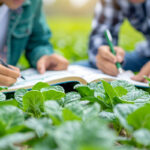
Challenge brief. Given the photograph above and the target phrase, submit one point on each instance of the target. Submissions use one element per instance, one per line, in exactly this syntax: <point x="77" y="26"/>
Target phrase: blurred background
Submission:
<point x="70" y="23"/>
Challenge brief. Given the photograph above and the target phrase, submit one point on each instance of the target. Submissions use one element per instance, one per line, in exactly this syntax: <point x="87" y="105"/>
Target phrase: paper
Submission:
<point x="89" y="74"/>
<point x="32" y="77"/>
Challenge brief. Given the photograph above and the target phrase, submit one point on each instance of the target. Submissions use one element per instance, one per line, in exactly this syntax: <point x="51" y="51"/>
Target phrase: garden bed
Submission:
<point x="98" y="116"/>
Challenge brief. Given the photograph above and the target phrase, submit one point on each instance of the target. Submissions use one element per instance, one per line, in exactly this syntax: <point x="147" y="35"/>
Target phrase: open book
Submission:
<point x="81" y="74"/>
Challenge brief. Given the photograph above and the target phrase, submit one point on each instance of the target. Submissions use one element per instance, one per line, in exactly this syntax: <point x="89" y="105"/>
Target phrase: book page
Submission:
<point x="88" y="74"/>
<point x="32" y="77"/>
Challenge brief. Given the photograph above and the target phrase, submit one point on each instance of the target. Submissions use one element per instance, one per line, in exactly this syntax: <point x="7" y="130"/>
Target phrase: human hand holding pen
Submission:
<point x="8" y="76"/>
<point x="106" y="61"/>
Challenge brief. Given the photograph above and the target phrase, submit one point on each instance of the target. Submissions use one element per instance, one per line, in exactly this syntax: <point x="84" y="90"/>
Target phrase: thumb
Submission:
<point x="41" y="67"/>
<point x="120" y="54"/>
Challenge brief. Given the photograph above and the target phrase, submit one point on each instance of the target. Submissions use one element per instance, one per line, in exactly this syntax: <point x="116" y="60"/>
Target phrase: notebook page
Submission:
<point x="32" y="77"/>
<point x="90" y="74"/>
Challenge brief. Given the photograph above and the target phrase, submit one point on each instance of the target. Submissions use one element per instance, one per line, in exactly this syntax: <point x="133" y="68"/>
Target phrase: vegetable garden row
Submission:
<point x="98" y="116"/>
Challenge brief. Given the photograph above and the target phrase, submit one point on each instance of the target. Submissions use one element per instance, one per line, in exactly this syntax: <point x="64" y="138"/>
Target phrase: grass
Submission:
<point x="70" y="37"/>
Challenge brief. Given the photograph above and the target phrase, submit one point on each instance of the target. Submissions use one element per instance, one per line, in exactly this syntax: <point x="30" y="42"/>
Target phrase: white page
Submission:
<point x="32" y="77"/>
<point x="89" y="74"/>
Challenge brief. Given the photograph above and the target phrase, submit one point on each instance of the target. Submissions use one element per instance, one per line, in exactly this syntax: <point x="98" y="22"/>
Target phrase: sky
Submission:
<point x="76" y="3"/>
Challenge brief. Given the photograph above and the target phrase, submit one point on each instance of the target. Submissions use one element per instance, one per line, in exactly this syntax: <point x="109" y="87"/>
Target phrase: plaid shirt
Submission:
<point x="110" y="14"/>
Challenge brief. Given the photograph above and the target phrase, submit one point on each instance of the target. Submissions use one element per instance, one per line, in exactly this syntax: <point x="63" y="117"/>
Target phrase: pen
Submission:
<point x="109" y="40"/>
<point x="7" y="66"/>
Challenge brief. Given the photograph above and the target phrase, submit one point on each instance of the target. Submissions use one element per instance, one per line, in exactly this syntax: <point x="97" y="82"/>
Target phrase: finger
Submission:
<point x="120" y="53"/>
<point x="145" y="81"/>
<point x="8" y="72"/>
<point x="58" y="63"/>
<point x="106" y="54"/>
<point x="6" y="81"/>
<point x="138" y="77"/>
<point x="41" y="65"/>
<point x="15" y="68"/>
<point x="57" y="68"/>
<point x="144" y="72"/>
<point x="108" y="68"/>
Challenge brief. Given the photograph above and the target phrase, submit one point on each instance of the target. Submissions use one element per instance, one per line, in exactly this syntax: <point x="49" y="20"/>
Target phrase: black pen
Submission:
<point x="7" y="66"/>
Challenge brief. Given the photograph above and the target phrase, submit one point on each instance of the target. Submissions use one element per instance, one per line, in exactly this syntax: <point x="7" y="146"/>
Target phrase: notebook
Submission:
<point x="74" y="73"/>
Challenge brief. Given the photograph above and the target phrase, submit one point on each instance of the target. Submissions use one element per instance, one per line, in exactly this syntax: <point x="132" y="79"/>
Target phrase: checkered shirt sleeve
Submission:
<point x="107" y="16"/>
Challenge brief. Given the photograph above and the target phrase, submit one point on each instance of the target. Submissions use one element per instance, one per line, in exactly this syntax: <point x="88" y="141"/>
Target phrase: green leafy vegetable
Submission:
<point x="11" y="119"/>
<point x="33" y="103"/>
<point x="53" y="93"/>
<point x="140" y="118"/>
<point x="98" y="116"/>
<point x="142" y="136"/>
<point x="40" y="85"/>
<point x="2" y="97"/>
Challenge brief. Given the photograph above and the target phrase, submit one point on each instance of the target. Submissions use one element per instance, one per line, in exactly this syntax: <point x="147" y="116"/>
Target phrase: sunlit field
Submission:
<point x="70" y="37"/>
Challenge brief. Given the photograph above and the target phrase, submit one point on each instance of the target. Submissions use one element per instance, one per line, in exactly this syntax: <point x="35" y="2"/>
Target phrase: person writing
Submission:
<point x="23" y="28"/>
<point x="110" y="14"/>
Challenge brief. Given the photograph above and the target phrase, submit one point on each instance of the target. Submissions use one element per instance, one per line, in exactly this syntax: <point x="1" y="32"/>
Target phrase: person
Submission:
<point x="23" y="28"/>
<point x="110" y="14"/>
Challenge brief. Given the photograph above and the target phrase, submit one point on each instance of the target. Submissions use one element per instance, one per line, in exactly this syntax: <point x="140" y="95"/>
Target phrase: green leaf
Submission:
<point x="11" y="118"/>
<point x="33" y="103"/>
<point x="2" y="128"/>
<point x="95" y="85"/>
<point x="40" y="85"/>
<point x="87" y="147"/>
<point x="11" y="102"/>
<point x="142" y="136"/>
<point x="108" y="116"/>
<point x="40" y="126"/>
<point x="117" y="100"/>
<point x="147" y="78"/>
<point x="8" y="141"/>
<point x="19" y="96"/>
<point x="140" y="118"/>
<point x="97" y="100"/>
<point x="53" y="93"/>
<point x="91" y="111"/>
<point x="2" y="96"/>
<point x="71" y="97"/>
<point x="53" y="109"/>
<point x="84" y="90"/>
<point x="57" y="88"/>
<point x="120" y="91"/>
<point x="92" y="133"/>
<point x="68" y="115"/>
<point x="76" y="107"/>
<point x="122" y="111"/>
<point x="110" y="91"/>
<point x="137" y="96"/>
<point x="121" y="83"/>
<point x="3" y="88"/>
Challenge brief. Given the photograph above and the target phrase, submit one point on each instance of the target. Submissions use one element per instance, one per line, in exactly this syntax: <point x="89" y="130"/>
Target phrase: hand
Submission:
<point x="105" y="60"/>
<point x="53" y="62"/>
<point x="145" y="71"/>
<point x="8" y="76"/>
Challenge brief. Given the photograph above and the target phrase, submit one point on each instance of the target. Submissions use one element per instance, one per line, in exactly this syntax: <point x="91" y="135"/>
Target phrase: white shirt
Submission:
<point x="4" y="19"/>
